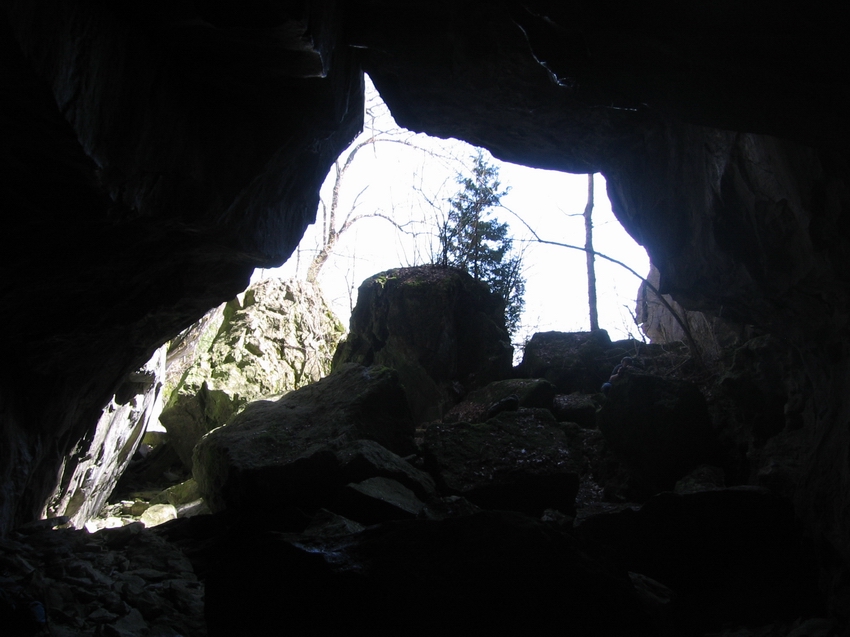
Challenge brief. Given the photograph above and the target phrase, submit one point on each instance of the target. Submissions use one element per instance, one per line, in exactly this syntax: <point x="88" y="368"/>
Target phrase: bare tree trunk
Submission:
<point x="588" y="246"/>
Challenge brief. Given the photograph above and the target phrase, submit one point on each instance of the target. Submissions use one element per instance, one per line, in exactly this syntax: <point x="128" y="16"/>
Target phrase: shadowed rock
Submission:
<point x="727" y="554"/>
<point x="502" y="395"/>
<point x="660" y="427"/>
<point x="493" y="571"/>
<point x="517" y="460"/>
<point x="435" y="326"/>
<point x="296" y="451"/>
<point x="572" y="361"/>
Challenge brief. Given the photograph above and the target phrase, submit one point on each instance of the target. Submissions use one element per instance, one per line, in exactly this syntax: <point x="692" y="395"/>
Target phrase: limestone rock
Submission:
<point x="327" y="524"/>
<point x="166" y="152"/>
<point x="435" y="326"/>
<point x="178" y="494"/>
<point x="531" y="393"/>
<point x="293" y="451"/>
<point x="703" y="478"/>
<point x="660" y="427"/>
<point x="576" y="407"/>
<point x="157" y="230"/>
<point x="90" y="474"/>
<point x="125" y="581"/>
<point x="278" y="336"/>
<point x="572" y="361"/>
<point x="377" y="500"/>
<point x="154" y="156"/>
<point x="711" y="334"/>
<point x="158" y="514"/>
<point x="518" y="460"/>
<point x="757" y="383"/>
<point x="187" y="348"/>
<point x="366" y="458"/>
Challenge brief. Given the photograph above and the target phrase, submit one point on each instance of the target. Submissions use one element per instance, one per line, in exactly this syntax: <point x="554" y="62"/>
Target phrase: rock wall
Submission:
<point x="711" y="334"/>
<point x="155" y="156"/>
<point x="90" y="473"/>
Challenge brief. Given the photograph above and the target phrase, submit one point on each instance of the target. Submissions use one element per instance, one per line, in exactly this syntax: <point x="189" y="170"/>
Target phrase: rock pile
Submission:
<point x="519" y="505"/>
<point x="125" y="582"/>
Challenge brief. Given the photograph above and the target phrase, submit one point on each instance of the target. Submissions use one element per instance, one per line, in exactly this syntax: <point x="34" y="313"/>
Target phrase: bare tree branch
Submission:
<point x="695" y="350"/>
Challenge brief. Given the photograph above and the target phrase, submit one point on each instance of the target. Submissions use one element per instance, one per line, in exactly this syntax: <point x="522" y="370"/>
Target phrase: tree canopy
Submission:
<point x="471" y="239"/>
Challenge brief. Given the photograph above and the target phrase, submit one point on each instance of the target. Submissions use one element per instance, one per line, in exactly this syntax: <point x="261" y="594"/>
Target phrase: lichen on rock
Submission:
<point x="276" y="337"/>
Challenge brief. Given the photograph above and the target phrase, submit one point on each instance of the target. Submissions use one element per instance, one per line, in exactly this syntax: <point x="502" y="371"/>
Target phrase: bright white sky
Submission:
<point x="399" y="179"/>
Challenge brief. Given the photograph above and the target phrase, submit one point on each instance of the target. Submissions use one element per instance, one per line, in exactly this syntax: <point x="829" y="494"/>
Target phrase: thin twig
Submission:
<point x="691" y="342"/>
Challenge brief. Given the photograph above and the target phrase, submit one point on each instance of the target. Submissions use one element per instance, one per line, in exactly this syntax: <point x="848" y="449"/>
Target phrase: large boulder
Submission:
<point x="301" y="449"/>
<point x="576" y="407"/>
<point x="278" y="336"/>
<point x="518" y="460"/>
<point x="660" y="427"/>
<point x="572" y="361"/>
<point x="435" y="326"/>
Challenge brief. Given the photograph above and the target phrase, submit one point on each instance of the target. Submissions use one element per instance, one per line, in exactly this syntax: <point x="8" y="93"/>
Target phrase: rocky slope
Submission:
<point x="531" y="503"/>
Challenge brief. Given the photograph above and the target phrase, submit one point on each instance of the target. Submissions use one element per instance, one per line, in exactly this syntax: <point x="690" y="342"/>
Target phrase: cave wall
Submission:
<point x="157" y="154"/>
<point x="153" y="157"/>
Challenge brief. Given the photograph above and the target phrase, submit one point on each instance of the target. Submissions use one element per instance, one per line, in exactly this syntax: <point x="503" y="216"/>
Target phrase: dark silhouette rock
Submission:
<point x="757" y="382"/>
<point x="435" y="326"/>
<point x="496" y="572"/>
<point x="126" y="581"/>
<point x="297" y="451"/>
<point x="502" y="395"/>
<point x="519" y="460"/>
<point x="572" y="361"/>
<point x="576" y="407"/>
<point x="660" y="427"/>
<point x="728" y="555"/>
<point x="703" y="478"/>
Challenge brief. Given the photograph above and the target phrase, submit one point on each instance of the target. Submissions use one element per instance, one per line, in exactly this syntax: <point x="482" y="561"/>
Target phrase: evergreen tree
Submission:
<point x="472" y="241"/>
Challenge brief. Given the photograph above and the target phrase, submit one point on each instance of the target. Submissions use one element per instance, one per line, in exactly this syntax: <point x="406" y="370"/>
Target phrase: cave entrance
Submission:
<point x="382" y="203"/>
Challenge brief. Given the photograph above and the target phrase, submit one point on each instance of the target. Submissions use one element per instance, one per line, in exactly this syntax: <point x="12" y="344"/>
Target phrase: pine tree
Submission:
<point x="472" y="241"/>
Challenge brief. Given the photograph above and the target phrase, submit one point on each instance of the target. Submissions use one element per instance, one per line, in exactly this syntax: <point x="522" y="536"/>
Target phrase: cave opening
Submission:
<point x="396" y="188"/>
<point x="158" y="156"/>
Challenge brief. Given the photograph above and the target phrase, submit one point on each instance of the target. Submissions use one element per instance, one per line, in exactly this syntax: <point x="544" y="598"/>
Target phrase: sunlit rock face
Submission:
<point x="277" y="336"/>
<point x="154" y="156"/>
<point x="90" y="473"/>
